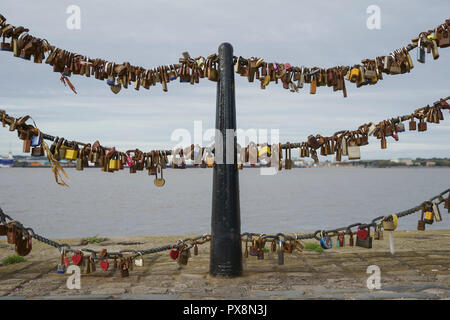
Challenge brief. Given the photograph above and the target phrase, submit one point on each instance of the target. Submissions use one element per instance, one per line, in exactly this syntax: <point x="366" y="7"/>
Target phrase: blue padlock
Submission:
<point x="400" y="127"/>
<point x="36" y="141"/>
<point x="325" y="241"/>
<point x="420" y="52"/>
<point x="111" y="81"/>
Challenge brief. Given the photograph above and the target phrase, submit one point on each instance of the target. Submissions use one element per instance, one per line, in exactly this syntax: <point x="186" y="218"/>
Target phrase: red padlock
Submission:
<point x="362" y="233"/>
<point x="130" y="161"/>
<point x="104" y="264"/>
<point x="66" y="261"/>
<point x="76" y="258"/>
<point x="395" y="135"/>
<point x="174" y="253"/>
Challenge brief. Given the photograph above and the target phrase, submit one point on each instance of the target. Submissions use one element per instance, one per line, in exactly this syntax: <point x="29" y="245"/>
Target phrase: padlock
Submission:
<point x="246" y="249"/>
<point x="447" y="203"/>
<point x="80" y="163"/>
<point x="437" y="213"/>
<point x="12" y="232"/>
<point x="390" y="224"/>
<point x="412" y="124"/>
<point x="353" y="150"/>
<point x="280" y="251"/>
<point x="61" y="269"/>
<point x="159" y="181"/>
<point x="363" y="239"/>
<point x="71" y="154"/>
<point x="114" y="162"/>
<point x="351" y="242"/>
<point x="104" y="264"/>
<point x="354" y="74"/>
<point x="341" y="239"/>
<point x="183" y="257"/>
<point x="434" y="49"/>
<point x="92" y="266"/>
<point x="123" y="269"/>
<point x="36" y="141"/>
<point x="37" y="152"/>
<point x="26" y="146"/>
<point x="288" y="159"/>
<point x="139" y="262"/>
<point x="77" y="258"/>
<point x="325" y="241"/>
<point x="254" y="248"/>
<point x="362" y="233"/>
<point x="378" y="233"/>
<point x="260" y="254"/>
<point x="421" y="222"/>
<point x="195" y="250"/>
<point x="174" y="252"/>
<point x="429" y="215"/>
<point x="400" y="126"/>
<point x="420" y="51"/>
<point x="422" y="126"/>
<point x="313" y="143"/>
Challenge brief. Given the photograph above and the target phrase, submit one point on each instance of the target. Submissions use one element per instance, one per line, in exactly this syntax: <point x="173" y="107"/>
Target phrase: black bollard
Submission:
<point x="226" y="249"/>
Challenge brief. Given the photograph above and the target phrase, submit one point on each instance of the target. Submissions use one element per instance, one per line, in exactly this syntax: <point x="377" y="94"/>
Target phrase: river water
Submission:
<point x="299" y="200"/>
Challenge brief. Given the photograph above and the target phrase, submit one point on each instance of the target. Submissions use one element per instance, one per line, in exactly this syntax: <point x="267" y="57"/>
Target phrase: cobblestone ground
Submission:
<point x="419" y="269"/>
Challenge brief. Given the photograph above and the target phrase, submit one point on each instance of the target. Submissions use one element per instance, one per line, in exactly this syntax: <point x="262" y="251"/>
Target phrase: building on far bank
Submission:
<point x="406" y="162"/>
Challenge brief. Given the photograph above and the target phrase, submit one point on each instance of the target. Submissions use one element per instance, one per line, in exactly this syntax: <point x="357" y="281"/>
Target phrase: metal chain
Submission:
<point x="190" y="242"/>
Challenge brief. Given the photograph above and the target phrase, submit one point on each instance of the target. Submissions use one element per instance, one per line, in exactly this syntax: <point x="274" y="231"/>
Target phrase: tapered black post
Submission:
<point x="226" y="249"/>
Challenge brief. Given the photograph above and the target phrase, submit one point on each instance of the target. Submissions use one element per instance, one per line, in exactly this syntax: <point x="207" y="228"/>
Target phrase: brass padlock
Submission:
<point x="437" y="213"/>
<point x="123" y="268"/>
<point x="80" y="163"/>
<point x="159" y="181"/>
<point x="184" y="256"/>
<point x="390" y="224"/>
<point x="421" y="222"/>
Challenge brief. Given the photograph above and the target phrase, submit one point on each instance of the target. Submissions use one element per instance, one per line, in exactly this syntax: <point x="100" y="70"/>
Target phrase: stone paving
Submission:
<point x="419" y="269"/>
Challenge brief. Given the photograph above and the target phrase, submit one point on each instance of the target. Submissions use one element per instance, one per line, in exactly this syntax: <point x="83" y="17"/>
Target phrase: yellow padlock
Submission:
<point x="71" y="154"/>
<point x="354" y="74"/>
<point x="113" y="163"/>
<point x="264" y="150"/>
<point x="429" y="216"/>
<point x="210" y="161"/>
<point x="391" y="224"/>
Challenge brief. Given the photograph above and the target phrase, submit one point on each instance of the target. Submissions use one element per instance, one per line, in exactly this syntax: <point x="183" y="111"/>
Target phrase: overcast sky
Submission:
<point x="153" y="33"/>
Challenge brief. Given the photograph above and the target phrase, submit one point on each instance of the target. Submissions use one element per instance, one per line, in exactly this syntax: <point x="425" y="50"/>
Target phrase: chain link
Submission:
<point x="190" y="242"/>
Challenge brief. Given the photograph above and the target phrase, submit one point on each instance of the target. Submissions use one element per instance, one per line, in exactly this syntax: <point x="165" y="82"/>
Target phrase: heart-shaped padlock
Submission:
<point x="77" y="258"/>
<point x="130" y="161"/>
<point x="362" y="233"/>
<point x="104" y="264"/>
<point x="174" y="253"/>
